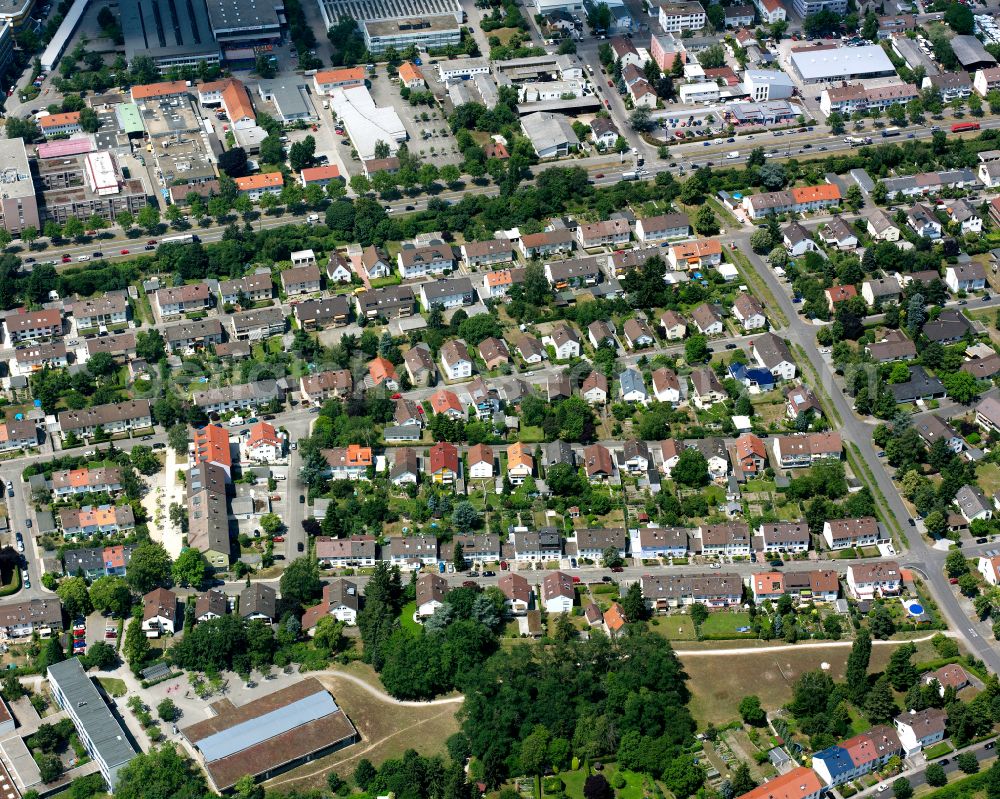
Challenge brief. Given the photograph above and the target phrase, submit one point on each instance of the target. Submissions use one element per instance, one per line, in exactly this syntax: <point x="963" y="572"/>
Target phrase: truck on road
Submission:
<point x="733" y="154"/>
<point x="856" y="140"/>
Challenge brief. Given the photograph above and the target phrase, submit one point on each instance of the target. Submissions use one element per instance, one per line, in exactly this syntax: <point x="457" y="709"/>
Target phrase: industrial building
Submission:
<point x="18" y="205"/>
<point x="366" y="123"/>
<point x="971" y="54"/>
<point x="100" y="732"/>
<point x="289" y="97"/>
<point x="84" y="185"/>
<point x="767" y="84"/>
<point x="424" y="34"/>
<point x="806" y="7"/>
<point x="836" y="64"/>
<point x="245" y="23"/>
<point x="173" y="35"/>
<point x="375" y="10"/>
<point x="270" y="735"/>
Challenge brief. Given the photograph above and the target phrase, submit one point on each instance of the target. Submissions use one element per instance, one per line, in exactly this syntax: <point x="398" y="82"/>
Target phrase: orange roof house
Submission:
<point x="151" y="91"/>
<point x="315" y="174"/>
<point x="262" y="433"/>
<point x="58" y="120"/>
<point x="444" y="461"/>
<point x="799" y="783"/>
<point x="614" y="618"/>
<point x="211" y="445"/>
<point x="268" y="180"/>
<point x="444" y="401"/>
<point x="824" y="192"/>
<point x="836" y="294"/>
<point x="410" y="74"/>
<point x="237" y="101"/>
<point x="341" y="77"/>
<point x="382" y="371"/>
<point x="499" y="277"/>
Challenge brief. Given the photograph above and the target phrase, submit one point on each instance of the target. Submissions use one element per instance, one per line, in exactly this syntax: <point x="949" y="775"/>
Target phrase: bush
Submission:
<point x="618" y="781"/>
<point x="553" y="784"/>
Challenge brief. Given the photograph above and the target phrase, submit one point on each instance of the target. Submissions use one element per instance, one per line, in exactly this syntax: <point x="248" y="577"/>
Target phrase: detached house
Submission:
<point x="598" y="463"/>
<point x="520" y="463"/>
<point x="480" y="462"/>
<point x="772" y="353"/>
<point x="865" y="580"/>
<point x="706" y="389"/>
<point x="666" y="385"/>
<point x="707" y="320"/>
<point x="456" y="363"/>
<point x="517" y="593"/>
<point x="564" y="340"/>
<point x="965" y="277"/>
<point x="443" y="466"/>
<point x="433" y="259"/>
<point x="674" y="326"/>
<point x="749" y="312"/>
<point x="558" y="593"/>
<point x="595" y="388"/>
<point x="638" y="335"/>
<point x="922" y="219"/>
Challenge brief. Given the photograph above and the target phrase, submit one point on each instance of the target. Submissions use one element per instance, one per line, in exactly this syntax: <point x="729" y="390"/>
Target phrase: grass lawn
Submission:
<point x="717" y="688"/>
<point x="725" y="624"/>
<point x="530" y="435"/>
<point x="938" y="750"/>
<point x="858" y="723"/>
<point x="633" y="782"/>
<point x="988" y="477"/>
<point x="113" y="686"/>
<point x="674" y="628"/>
<point x="406" y="617"/>
<point x="387" y="730"/>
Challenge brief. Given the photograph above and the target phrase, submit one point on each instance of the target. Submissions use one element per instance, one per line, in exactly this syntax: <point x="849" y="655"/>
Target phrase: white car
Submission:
<point x="83" y="257"/>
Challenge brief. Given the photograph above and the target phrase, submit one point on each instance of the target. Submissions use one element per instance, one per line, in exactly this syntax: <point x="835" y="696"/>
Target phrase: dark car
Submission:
<point x="149" y="247"/>
<point x="911" y="523"/>
<point x="300" y="546"/>
<point x="990" y="745"/>
<point x="469" y="584"/>
<point x="606" y="578"/>
<point x="98" y="254"/>
<point x="944" y="761"/>
<point x="489" y="574"/>
<point x="978" y="540"/>
<point x="302" y="499"/>
<point x="730" y="346"/>
<point x="774" y="564"/>
<point x="617" y="569"/>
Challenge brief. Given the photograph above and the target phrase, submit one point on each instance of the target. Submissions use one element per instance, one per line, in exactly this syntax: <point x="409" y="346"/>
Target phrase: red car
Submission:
<point x="469" y="584"/>
<point x="279" y="539"/>
<point x="124" y="252"/>
<point x="151" y="241"/>
<point x="66" y="259"/>
<point x="397" y="395"/>
<point x="576" y="579"/>
<point x="599" y="175"/>
<point x="617" y="569"/>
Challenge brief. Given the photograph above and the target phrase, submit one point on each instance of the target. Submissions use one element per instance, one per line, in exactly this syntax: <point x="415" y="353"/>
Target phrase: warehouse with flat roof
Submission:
<point x="270" y="735"/>
<point x="830" y="65"/>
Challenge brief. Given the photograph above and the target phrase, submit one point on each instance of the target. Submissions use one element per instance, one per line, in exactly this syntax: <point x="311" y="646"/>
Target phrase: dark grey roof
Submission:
<point x="970" y="51"/>
<point x="260" y="599"/>
<point x="85" y="703"/>
<point x="165" y="29"/>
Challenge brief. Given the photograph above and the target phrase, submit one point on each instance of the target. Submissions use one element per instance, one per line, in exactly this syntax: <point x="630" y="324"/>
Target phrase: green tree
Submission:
<point x="167" y="710"/>
<point x="900" y="671"/>
<point x="836" y="122"/>
<point x="190" y="568"/>
<point x="149" y="218"/>
<point x="271" y="523"/>
<point x="135" y="647"/>
<point x="458" y="557"/>
<point x="968" y="762"/>
<point x="696" y="349"/>
<point x="856" y="675"/>
<point x="691" y="469"/>
<point x="706" y="223"/>
<point x="879" y="706"/>
<point x="162" y="773"/>
<point x="935" y="775"/>
<point x="751" y="712"/>
<point x="300" y="583"/>
<point x="75" y="599"/>
<point x="148" y="567"/>
<point x="633" y="605"/>
<point x="901" y="788"/>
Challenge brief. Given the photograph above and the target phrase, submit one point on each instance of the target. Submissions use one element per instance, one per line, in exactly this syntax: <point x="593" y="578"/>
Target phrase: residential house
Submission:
<point x="431" y="259"/>
<point x="210" y="605"/>
<point x="73" y="482"/>
<point x="595" y="388"/>
<point x="932" y="428"/>
<point x="263" y="444"/>
<point x="419" y="364"/>
<point x="113" y="418"/>
<point x="662" y="227"/>
<point x="772" y="353"/>
<point x="805" y="449"/>
<point x="666" y="385"/>
<point x="706" y="388"/>
<point x="373" y="263"/>
<point x="159" y="613"/>
<point x="517" y="593"/>
<point x="918" y="729"/>
<point x="922" y="219"/>
<point x="799" y="783"/>
<point x="696" y="254"/>
<point x="635" y="457"/>
<point x="837" y="233"/>
<point x="600" y="333"/>
<point x="965" y="277"/>
<point x="707" y="320"/>
<point x="837" y="294"/>
<point x="797" y="240"/>
<point x="498" y="282"/>
<point x="880" y="226"/>
<point x="447" y="294"/>
<point x="607" y="233"/>
<point x="972" y="503"/>
<point x="334" y="553"/>
<point x="494" y="353"/>
<point x="259" y="601"/>
<point x="844" y="533"/>
<point x="784" y="536"/>
<point x="666" y="590"/>
<point x="316" y="314"/>
<point x="966" y="217"/>
<point x="341" y="600"/>
<point x="319" y="387"/>
<point x="800" y="399"/>
<point x="882" y="578"/>
<point x="633" y="387"/>
<point x="558" y="593"/>
<point x="391" y="302"/>
<point x="597" y="462"/>
<point x="382" y="374"/>
<point x="431" y="590"/>
<point x="547" y="243"/>
<point x="488" y="253"/>
<point x="564" y="339"/>
<point x="637" y="334"/>
<point x="573" y="273"/>
<point x="348" y="463"/>
<point x="456" y="363"/>
<point x="729" y="539"/>
<point x="479" y="549"/>
<point x="412" y="550"/>
<point x="480" y="462"/>
<point x="520" y="464"/>
<point x="447" y="402"/>
<point x="530" y="349"/>
<point x="749" y="312"/>
<point x="443" y="467"/>
<point x="750" y="454"/>
<point x="894" y="346"/>
<point x="673" y="324"/>
<point x="881" y="291"/>
<point x="649" y="543"/>
<point x="405" y="467"/>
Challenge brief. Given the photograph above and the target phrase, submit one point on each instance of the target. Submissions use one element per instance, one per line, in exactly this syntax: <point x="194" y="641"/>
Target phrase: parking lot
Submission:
<point x="430" y="138"/>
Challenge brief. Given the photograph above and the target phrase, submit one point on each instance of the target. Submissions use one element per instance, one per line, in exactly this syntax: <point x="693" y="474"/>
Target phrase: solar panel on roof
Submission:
<point x="270" y="725"/>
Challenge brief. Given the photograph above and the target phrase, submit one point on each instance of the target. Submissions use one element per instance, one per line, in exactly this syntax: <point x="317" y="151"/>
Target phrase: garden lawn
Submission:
<point x="633" y="782"/>
<point x="113" y="686"/>
<point x="725" y="624"/>
<point x="406" y="617"/>
<point x="674" y="628"/>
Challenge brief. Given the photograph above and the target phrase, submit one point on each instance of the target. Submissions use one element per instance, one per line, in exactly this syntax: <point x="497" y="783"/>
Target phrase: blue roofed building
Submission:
<point x="756" y="380"/>
<point x="834" y="765"/>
